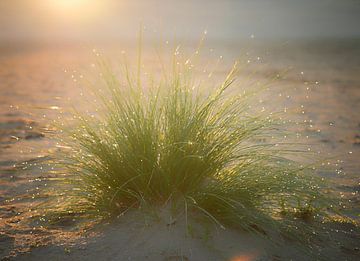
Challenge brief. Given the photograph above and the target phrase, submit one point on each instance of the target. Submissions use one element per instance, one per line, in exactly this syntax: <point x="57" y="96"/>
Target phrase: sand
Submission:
<point x="34" y="84"/>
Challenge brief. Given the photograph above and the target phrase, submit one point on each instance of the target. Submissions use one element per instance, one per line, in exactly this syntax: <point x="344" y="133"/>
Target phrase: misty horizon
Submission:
<point x="108" y="20"/>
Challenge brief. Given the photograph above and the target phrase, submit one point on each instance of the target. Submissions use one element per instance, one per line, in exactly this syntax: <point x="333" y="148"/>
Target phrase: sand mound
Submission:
<point x="138" y="237"/>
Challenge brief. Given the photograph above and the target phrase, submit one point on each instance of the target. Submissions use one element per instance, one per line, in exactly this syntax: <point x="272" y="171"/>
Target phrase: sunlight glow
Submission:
<point x="70" y="4"/>
<point x="75" y="10"/>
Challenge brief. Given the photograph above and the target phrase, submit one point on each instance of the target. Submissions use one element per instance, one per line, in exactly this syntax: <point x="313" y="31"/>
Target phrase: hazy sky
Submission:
<point x="83" y="20"/>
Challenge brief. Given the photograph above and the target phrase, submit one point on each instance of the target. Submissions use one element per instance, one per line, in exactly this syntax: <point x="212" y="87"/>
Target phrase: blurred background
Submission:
<point x="46" y="45"/>
<point x="109" y="20"/>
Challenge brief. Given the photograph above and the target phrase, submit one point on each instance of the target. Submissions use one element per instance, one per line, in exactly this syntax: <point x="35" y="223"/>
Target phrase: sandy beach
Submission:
<point x="36" y="81"/>
<point x="158" y="172"/>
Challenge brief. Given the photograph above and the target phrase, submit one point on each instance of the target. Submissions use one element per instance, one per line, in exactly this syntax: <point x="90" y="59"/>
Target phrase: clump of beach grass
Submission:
<point x="202" y="150"/>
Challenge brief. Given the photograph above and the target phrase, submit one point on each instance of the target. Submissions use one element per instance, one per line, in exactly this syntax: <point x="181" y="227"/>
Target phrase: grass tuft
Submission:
<point x="202" y="151"/>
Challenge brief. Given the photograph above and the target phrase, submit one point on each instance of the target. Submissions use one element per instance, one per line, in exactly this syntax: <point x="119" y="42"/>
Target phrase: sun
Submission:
<point x="70" y="4"/>
<point x="75" y="10"/>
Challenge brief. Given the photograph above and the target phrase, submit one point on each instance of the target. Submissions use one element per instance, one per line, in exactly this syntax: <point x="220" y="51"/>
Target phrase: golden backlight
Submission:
<point x="76" y="10"/>
<point x="70" y="4"/>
